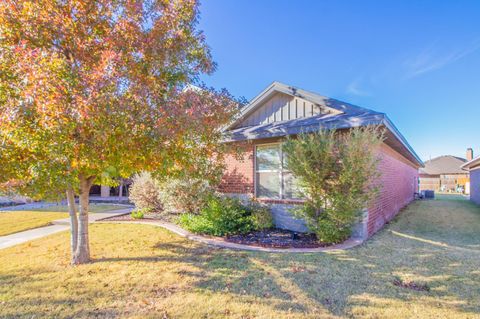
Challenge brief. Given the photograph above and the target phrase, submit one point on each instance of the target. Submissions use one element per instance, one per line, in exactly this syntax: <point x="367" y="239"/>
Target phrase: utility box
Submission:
<point x="428" y="194"/>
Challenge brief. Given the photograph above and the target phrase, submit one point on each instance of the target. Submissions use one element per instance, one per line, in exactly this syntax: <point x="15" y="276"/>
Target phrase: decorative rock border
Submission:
<point x="220" y="242"/>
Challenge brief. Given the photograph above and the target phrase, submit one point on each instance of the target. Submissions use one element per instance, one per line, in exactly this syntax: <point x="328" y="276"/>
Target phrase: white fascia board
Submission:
<point x="468" y="165"/>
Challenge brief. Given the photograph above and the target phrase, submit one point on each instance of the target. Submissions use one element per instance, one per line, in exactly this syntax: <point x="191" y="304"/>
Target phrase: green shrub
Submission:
<point x="184" y="194"/>
<point x="261" y="216"/>
<point x="139" y="213"/>
<point x="225" y="216"/>
<point x="335" y="172"/>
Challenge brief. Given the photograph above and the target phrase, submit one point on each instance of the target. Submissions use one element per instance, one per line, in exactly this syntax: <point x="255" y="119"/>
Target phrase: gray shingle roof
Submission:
<point x="305" y="125"/>
<point x="350" y="116"/>
<point x="446" y="164"/>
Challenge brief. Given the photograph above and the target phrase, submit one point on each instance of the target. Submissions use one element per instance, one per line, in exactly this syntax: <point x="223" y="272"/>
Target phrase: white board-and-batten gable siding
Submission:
<point x="281" y="107"/>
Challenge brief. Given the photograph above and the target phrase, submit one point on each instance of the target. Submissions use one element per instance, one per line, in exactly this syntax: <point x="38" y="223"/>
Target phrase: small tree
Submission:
<point x="335" y="172"/>
<point x="93" y="91"/>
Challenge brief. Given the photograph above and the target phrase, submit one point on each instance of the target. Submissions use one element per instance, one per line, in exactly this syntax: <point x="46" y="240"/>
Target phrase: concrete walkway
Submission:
<point x="58" y="226"/>
<point x="96" y="216"/>
<point x="24" y="236"/>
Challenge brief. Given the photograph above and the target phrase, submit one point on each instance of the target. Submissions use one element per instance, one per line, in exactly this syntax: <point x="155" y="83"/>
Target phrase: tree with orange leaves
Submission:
<point x="95" y="90"/>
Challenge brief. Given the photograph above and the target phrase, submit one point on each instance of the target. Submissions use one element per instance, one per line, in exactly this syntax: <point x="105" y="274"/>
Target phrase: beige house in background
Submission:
<point x="444" y="174"/>
<point x="107" y="192"/>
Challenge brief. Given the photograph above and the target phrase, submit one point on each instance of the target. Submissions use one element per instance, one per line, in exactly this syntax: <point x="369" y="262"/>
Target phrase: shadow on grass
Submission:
<point x="336" y="283"/>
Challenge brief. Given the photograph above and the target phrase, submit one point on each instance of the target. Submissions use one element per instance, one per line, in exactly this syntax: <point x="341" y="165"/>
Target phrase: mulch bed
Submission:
<point x="277" y="238"/>
<point x="270" y="238"/>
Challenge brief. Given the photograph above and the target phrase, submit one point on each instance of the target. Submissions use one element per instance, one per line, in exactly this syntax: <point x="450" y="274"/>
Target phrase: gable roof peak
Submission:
<point x="339" y="115"/>
<point x="331" y="105"/>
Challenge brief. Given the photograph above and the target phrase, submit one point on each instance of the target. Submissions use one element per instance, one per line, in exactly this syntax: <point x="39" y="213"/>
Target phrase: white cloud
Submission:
<point x="433" y="58"/>
<point x="354" y="88"/>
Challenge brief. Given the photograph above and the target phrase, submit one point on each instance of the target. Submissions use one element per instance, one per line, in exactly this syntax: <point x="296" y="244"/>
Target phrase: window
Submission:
<point x="271" y="178"/>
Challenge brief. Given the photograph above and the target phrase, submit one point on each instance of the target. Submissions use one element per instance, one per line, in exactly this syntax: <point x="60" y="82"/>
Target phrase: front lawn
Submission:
<point x="145" y="271"/>
<point x="17" y="221"/>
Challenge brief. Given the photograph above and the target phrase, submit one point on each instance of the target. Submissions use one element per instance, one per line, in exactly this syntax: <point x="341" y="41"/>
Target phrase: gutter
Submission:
<point x="378" y="119"/>
<point x="469" y="165"/>
<point x="388" y="124"/>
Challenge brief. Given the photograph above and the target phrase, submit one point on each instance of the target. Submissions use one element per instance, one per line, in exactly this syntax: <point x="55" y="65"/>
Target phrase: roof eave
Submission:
<point x="388" y="124"/>
<point x="470" y="164"/>
<point x="378" y="119"/>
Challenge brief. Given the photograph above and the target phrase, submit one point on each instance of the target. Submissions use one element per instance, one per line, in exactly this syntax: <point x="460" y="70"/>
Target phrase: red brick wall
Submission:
<point x="239" y="173"/>
<point x="475" y="185"/>
<point x="398" y="180"/>
<point x="398" y="183"/>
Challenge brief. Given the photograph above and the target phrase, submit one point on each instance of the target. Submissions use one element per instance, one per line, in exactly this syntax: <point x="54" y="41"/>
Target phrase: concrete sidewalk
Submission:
<point x="58" y="226"/>
<point x="24" y="236"/>
<point x="96" y="216"/>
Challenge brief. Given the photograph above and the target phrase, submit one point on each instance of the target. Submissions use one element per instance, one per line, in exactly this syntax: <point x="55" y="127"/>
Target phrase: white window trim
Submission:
<point x="281" y="173"/>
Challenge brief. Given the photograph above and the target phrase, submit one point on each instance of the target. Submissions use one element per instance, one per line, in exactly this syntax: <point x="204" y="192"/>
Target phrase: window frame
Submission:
<point x="281" y="173"/>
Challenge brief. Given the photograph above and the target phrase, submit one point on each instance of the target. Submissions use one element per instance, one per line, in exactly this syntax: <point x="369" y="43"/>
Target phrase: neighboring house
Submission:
<point x="111" y="193"/>
<point x="444" y="174"/>
<point x="473" y="167"/>
<point x="282" y="110"/>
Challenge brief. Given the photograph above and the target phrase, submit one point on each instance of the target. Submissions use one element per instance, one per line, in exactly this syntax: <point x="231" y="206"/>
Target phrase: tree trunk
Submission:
<point x="72" y="211"/>
<point x="120" y="190"/>
<point x="82" y="253"/>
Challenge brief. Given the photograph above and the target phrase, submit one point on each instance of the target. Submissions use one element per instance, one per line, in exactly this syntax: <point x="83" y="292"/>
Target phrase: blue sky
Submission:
<point x="417" y="61"/>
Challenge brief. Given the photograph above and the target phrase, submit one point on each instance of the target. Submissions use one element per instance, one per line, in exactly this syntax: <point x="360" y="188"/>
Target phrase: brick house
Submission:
<point x="282" y="110"/>
<point x="473" y="167"/>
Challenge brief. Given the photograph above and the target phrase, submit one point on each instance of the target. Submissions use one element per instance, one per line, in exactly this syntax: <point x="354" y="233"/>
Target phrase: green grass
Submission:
<point x="144" y="271"/>
<point x="450" y="196"/>
<point x="16" y="221"/>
